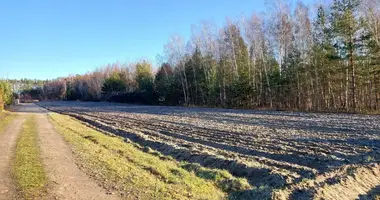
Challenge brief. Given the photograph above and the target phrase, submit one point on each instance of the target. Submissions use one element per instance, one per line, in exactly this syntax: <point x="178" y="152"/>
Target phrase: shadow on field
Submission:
<point x="372" y="194"/>
<point x="325" y="123"/>
<point x="331" y="153"/>
<point x="294" y="158"/>
<point x="262" y="193"/>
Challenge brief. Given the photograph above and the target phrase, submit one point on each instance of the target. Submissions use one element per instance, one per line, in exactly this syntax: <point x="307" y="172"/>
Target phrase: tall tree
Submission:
<point x="164" y="85"/>
<point x="144" y="77"/>
<point x="175" y="52"/>
<point x="345" y="26"/>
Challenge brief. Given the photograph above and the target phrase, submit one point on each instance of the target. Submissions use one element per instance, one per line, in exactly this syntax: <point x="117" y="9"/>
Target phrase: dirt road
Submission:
<point x="66" y="180"/>
<point x="7" y="144"/>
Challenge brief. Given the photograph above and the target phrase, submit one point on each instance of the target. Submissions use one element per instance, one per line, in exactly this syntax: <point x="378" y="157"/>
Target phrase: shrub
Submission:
<point x="5" y="94"/>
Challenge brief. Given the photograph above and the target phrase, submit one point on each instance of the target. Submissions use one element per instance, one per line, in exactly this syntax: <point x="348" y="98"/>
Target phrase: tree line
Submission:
<point x="293" y="57"/>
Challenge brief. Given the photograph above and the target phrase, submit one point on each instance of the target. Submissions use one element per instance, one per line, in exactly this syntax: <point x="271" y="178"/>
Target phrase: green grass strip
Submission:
<point x="27" y="166"/>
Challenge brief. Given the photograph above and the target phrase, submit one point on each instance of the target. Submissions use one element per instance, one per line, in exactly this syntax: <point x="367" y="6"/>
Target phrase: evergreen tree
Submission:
<point x="345" y="27"/>
<point x="164" y="84"/>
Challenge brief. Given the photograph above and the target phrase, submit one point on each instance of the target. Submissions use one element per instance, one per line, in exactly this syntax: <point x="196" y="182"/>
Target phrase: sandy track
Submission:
<point x="7" y="144"/>
<point x="68" y="181"/>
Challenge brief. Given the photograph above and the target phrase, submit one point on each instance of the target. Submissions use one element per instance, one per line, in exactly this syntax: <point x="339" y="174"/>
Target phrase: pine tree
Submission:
<point x="345" y="27"/>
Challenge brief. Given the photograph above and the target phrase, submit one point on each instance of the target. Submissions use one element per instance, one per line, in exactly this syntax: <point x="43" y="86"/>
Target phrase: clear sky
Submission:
<point x="43" y="39"/>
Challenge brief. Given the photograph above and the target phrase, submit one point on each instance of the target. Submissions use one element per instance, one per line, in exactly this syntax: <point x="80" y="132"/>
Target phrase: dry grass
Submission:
<point x="5" y="119"/>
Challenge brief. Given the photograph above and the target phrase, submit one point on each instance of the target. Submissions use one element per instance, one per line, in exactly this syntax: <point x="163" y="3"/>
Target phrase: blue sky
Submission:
<point x="51" y="38"/>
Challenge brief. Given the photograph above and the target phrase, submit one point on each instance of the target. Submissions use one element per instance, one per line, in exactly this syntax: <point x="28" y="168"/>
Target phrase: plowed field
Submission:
<point x="291" y="153"/>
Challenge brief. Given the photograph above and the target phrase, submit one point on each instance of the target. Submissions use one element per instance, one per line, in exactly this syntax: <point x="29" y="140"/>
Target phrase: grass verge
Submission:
<point x="121" y="166"/>
<point x="27" y="166"/>
<point x="5" y="119"/>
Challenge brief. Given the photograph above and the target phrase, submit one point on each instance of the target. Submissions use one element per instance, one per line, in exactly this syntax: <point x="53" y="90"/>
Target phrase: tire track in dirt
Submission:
<point x="7" y="145"/>
<point x="68" y="181"/>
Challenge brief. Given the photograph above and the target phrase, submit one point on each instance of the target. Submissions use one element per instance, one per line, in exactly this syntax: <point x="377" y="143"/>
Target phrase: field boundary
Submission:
<point x="116" y="150"/>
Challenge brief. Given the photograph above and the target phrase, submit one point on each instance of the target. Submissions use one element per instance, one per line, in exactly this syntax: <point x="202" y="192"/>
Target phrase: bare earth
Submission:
<point x="305" y="155"/>
<point x="66" y="179"/>
<point x="7" y="145"/>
